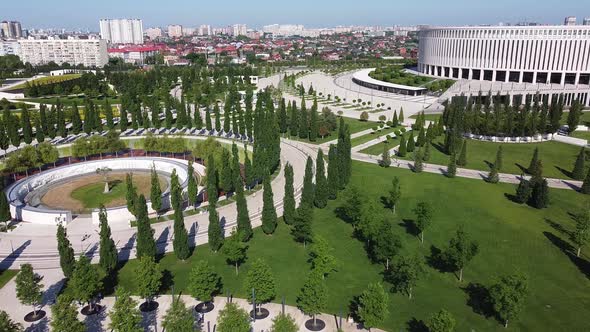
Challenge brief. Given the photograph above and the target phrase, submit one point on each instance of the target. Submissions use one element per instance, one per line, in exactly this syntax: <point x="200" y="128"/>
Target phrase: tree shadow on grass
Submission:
<point x="410" y="227"/>
<point x="436" y="260"/>
<point x="341" y="214"/>
<point x="440" y="147"/>
<point x="564" y="172"/>
<point x="582" y="264"/>
<point x="489" y="163"/>
<point x="415" y="325"/>
<point x="167" y="281"/>
<point x="523" y="169"/>
<point x="558" y="227"/>
<point x="479" y="299"/>
<point x="386" y="203"/>
<point x="511" y="198"/>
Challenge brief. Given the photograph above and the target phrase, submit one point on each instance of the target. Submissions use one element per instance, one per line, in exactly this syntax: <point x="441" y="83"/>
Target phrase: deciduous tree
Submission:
<point x="372" y="306"/>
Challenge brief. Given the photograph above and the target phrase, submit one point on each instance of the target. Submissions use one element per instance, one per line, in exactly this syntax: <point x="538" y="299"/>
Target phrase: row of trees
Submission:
<point x="492" y="116"/>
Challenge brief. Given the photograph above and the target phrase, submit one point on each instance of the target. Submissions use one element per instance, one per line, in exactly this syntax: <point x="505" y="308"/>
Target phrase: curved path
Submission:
<point x="37" y="244"/>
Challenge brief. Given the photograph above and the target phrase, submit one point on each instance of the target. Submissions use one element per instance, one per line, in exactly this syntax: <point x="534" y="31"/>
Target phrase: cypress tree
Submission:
<point x="155" y="191"/>
<point x="498" y="162"/>
<point x="180" y="242"/>
<point x="146" y="245"/>
<point x="585" y="189"/>
<point x="26" y="125"/>
<point x="421" y="137"/>
<point x="269" y="214"/>
<point x="168" y="118"/>
<point x="540" y="194"/>
<point x="401" y="115"/>
<point x="452" y="167"/>
<point x="385" y="157"/>
<point x="302" y="231"/>
<point x="418" y="165"/>
<point x="208" y="125"/>
<point x="192" y="185"/>
<point x="123" y="121"/>
<point x="282" y="116"/>
<point x="313" y="123"/>
<point x="61" y="123"/>
<point x="321" y="184"/>
<point x="578" y="171"/>
<point x="217" y="118"/>
<point x="333" y="181"/>
<point x="303" y="121"/>
<point x="534" y="162"/>
<point x="493" y="176"/>
<point x="4" y="140"/>
<point x="395" y="120"/>
<point x="238" y="182"/>
<point x="244" y="226"/>
<point x="214" y="231"/>
<point x="77" y="121"/>
<point x="426" y="154"/>
<point x="211" y="180"/>
<point x="411" y="143"/>
<point x="462" y="161"/>
<point x="198" y="118"/>
<point x="108" y="250"/>
<point x="307" y="195"/>
<point x="403" y="147"/>
<point x="67" y="260"/>
<point x="225" y="177"/>
<point x="289" y="198"/>
<point x="344" y="154"/>
<point x="294" y="120"/>
<point x="130" y="194"/>
<point x="523" y="191"/>
<point x="39" y="135"/>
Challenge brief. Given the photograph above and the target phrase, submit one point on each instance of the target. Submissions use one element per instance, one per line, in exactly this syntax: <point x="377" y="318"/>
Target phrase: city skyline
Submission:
<point x="306" y="12"/>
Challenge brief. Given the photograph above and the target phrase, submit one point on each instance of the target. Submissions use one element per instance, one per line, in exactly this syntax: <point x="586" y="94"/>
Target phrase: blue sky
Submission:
<point x="314" y="13"/>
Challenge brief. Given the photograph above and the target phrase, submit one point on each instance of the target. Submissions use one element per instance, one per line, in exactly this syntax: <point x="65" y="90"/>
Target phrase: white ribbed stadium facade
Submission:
<point x="558" y="56"/>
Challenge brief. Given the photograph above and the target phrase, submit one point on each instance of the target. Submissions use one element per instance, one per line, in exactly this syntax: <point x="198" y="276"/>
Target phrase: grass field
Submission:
<point x="581" y="134"/>
<point x="510" y="237"/>
<point x="369" y="137"/>
<point x="558" y="158"/>
<point x="6" y="275"/>
<point x="69" y="101"/>
<point x="48" y="80"/>
<point x="87" y="192"/>
<point x="354" y="126"/>
<point x="377" y="149"/>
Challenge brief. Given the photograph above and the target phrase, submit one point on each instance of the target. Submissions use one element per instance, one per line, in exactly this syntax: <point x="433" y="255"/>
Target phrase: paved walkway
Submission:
<point x="36" y="244"/>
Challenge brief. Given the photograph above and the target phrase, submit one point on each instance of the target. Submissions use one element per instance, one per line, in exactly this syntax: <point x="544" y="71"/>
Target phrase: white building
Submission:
<point x="570" y="20"/>
<point x="188" y="31"/>
<point x="122" y="31"/>
<point x="11" y="30"/>
<point x="9" y="47"/>
<point x="153" y="33"/>
<point x="204" y="30"/>
<point x="175" y="31"/>
<point x="239" y="30"/>
<point x="553" y="57"/>
<point x="87" y="52"/>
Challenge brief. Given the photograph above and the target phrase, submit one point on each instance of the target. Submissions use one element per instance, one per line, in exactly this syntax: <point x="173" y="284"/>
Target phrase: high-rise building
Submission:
<point x="204" y="30"/>
<point x="153" y="33"/>
<point x="239" y="30"/>
<point x="122" y="31"/>
<point x="87" y="52"/>
<point x="587" y="21"/>
<point x="175" y="31"/>
<point x="570" y="20"/>
<point x="11" y="30"/>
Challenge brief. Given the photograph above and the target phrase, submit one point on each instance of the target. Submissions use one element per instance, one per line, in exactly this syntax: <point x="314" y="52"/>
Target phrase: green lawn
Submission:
<point x="510" y="237"/>
<point x="354" y="125"/>
<point x="584" y="118"/>
<point x="369" y="137"/>
<point x="558" y="158"/>
<point x="377" y="149"/>
<point x="48" y="80"/>
<point x="5" y="276"/>
<point x="92" y="195"/>
<point x="581" y="134"/>
<point x="69" y="101"/>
